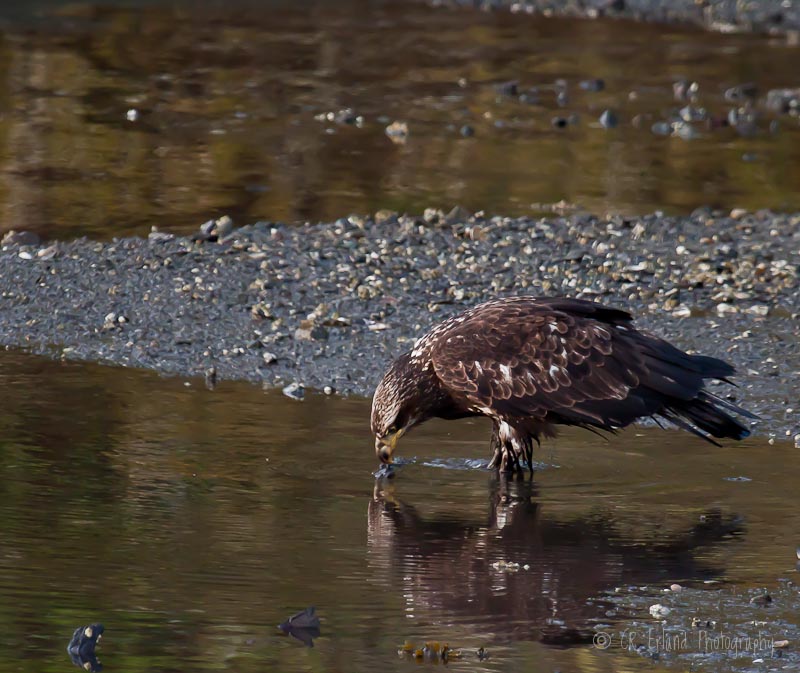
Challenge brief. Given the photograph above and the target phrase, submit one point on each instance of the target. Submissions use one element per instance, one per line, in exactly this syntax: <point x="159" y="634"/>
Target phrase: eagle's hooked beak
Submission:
<point x="384" y="446"/>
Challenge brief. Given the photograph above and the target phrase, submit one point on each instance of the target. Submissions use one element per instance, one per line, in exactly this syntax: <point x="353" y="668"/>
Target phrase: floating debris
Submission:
<point x="304" y="626"/>
<point x="82" y="646"/>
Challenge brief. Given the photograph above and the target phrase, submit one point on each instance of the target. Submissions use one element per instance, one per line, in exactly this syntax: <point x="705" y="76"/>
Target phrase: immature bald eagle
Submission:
<point x="529" y="363"/>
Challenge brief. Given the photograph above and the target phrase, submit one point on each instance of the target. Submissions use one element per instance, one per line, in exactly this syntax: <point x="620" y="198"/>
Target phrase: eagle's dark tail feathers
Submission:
<point x="707" y="415"/>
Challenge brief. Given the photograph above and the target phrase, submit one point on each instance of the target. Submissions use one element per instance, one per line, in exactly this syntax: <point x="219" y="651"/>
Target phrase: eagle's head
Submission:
<point x="397" y="405"/>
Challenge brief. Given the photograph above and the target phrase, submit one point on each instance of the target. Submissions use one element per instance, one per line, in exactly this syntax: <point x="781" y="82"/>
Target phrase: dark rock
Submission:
<point x="592" y="85"/>
<point x="608" y="119"/>
<point x="742" y="92"/>
<point x="684" y="89"/>
<point x="510" y="88"/>
<point x="457" y="215"/>
<point x="215" y="230"/>
<point x="684" y="131"/>
<point x="82" y="645"/>
<point x="467" y="131"/>
<point x="661" y="128"/>
<point x="157" y="236"/>
<point x="296" y="391"/>
<point x="761" y="599"/>
<point x="783" y="100"/>
<point x="385" y="217"/>
<point x="690" y="113"/>
<point x="744" y="120"/>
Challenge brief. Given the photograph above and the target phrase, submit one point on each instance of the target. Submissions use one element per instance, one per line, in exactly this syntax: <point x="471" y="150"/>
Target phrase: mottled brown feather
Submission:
<point x="529" y="362"/>
<point x="546" y="360"/>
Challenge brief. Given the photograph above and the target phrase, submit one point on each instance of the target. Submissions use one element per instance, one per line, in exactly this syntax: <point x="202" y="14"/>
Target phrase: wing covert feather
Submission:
<point x="531" y="359"/>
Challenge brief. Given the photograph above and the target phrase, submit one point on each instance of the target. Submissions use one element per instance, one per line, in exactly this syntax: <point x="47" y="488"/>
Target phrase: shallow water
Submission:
<point x="191" y="522"/>
<point x="226" y="98"/>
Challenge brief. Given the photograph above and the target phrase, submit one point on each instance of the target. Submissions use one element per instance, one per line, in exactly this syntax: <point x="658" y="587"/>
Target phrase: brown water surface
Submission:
<point x="227" y="105"/>
<point x="191" y="522"/>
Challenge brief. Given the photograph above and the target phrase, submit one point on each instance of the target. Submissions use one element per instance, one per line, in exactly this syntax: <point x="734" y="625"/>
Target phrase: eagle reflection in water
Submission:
<point x="452" y="565"/>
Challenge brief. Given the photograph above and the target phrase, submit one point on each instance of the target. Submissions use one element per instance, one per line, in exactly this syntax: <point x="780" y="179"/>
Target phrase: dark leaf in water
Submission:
<point x="304" y="626"/>
<point x="81" y="647"/>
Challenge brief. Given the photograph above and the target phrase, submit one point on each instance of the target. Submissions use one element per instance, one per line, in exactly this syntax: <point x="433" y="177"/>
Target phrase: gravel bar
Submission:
<point x="774" y="17"/>
<point x="325" y="306"/>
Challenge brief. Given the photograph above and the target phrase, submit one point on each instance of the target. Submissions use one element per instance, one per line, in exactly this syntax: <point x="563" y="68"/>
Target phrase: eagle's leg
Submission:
<point x="508" y="449"/>
<point x="497" y="447"/>
<point x="514" y="460"/>
<point x="529" y="453"/>
<point x="510" y="460"/>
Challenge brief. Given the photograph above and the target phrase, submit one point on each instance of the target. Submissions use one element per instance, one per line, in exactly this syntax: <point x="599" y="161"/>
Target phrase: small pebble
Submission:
<point x="659" y="610"/>
<point x="661" y="128"/>
<point x="295" y="391"/>
<point x="761" y="599"/>
<point x="608" y="119"/>
<point x="397" y="132"/>
<point x="592" y="85"/>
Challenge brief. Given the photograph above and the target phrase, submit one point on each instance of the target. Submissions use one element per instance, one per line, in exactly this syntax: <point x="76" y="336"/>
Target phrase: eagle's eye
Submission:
<point x="392" y="429"/>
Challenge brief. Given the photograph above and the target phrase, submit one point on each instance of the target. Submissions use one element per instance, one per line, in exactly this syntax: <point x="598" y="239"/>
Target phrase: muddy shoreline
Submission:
<point x="771" y="17"/>
<point x="328" y="305"/>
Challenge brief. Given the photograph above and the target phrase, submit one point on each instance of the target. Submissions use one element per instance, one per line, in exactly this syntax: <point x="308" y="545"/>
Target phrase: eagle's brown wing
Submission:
<point x="566" y="361"/>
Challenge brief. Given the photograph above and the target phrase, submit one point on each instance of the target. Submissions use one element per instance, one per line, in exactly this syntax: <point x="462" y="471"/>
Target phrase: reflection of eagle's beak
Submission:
<point x="384" y="447"/>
